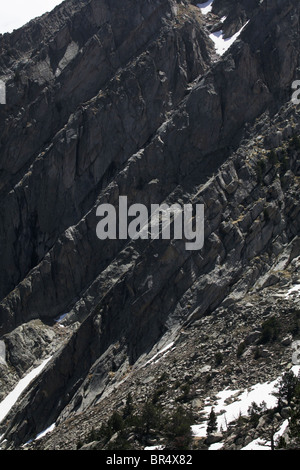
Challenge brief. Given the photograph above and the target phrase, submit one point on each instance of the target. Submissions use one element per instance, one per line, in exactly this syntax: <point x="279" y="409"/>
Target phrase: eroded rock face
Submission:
<point x="74" y="129"/>
<point x="130" y="99"/>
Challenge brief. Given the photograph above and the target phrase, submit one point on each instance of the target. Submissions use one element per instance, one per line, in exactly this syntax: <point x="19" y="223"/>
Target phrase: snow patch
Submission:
<point x="154" y="448"/>
<point x="231" y="404"/>
<point x="261" y="444"/>
<point x="216" y="446"/>
<point x="61" y="318"/>
<point x="160" y="353"/>
<point x="296" y="370"/>
<point x="8" y="402"/>
<point x="221" y="44"/>
<point x="295" y="290"/>
<point x="41" y="434"/>
<point x="241" y="401"/>
<point x="257" y="444"/>
<point x="205" y="7"/>
<point x="45" y="432"/>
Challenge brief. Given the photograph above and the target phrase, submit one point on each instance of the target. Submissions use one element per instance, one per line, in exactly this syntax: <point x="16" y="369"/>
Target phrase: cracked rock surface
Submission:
<point x="129" y="97"/>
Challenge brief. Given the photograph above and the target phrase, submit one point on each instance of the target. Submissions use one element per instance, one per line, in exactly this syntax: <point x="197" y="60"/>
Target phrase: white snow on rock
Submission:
<point x="216" y="446"/>
<point x="8" y="402"/>
<point x="258" y="444"/>
<point x="154" y="448"/>
<point x="231" y="404"/>
<point x="205" y="7"/>
<point x="61" y="318"/>
<point x="296" y="370"/>
<point x="160" y="354"/>
<point x="45" y="432"/>
<point x="221" y="44"/>
<point x="261" y="444"/>
<point x="41" y="435"/>
<point x="295" y="290"/>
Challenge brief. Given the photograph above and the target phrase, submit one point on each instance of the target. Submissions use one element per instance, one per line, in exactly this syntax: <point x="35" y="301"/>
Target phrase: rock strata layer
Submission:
<point x="130" y="98"/>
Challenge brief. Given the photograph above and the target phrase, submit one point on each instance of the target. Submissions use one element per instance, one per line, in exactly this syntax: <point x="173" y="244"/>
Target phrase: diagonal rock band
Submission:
<point x="114" y="108"/>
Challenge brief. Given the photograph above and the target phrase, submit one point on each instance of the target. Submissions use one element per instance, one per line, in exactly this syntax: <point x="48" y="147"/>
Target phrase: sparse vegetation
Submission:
<point x="129" y="408"/>
<point x="257" y="353"/>
<point x="218" y="358"/>
<point x="178" y="430"/>
<point x="295" y="323"/>
<point x="174" y="427"/>
<point x="272" y="157"/>
<point x="260" y="168"/>
<point x="270" y="330"/>
<point x="286" y="389"/>
<point x="255" y="411"/>
<point x="294" y="142"/>
<point x="212" y="425"/>
<point x="186" y="388"/>
<point x="288" y="393"/>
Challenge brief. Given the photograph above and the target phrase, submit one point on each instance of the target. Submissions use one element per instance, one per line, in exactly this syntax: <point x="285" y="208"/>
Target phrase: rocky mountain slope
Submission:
<point x="135" y="98"/>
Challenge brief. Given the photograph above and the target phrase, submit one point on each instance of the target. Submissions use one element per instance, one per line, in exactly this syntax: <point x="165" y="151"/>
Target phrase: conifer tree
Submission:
<point x="212" y="424"/>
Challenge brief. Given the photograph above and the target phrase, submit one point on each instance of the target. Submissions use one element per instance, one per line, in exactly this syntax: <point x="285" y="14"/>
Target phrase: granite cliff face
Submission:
<point x="131" y="98"/>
